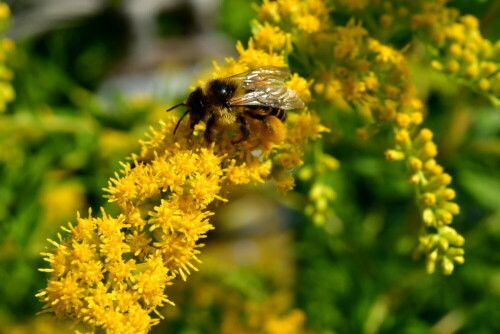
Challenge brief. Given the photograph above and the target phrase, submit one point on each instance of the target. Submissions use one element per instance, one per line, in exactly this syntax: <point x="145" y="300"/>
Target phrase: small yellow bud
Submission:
<point x="331" y="162"/>
<point x="430" y="164"/>
<point x="316" y="191"/>
<point x="445" y="179"/>
<point x="417" y="118"/>
<point x="472" y="71"/>
<point x="449" y="194"/>
<point x="371" y="82"/>
<point x="436" y="65"/>
<point x="321" y="204"/>
<point x="444" y="244"/>
<point x="470" y="22"/>
<point x="4" y="11"/>
<point x="430" y="150"/>
<point x="444" y="216"/>
<point x="457" y="240"/>
<point x="453" y="208"/>
<point x="447" y="266"/>
<point x="402" y="120"/>
<point x="486" y="48"/>
<point x="433" y="168"/>
<point x="429" y="199"/>
<point x="415" y="164"/>
<point x="455" y="49"/>
<point x="456" y="255"/>
<point x="319" y="88"/>
<point x="455" y="252"/>
<point x="318" y="219"/>
<point x="428" y="217"/>
<point x="488" y="67"/>
<point x="424" y="136"/>
<point x="438" y="181"/>
<point x="433" y="255"/>
<point x="414" y="179"/>
<point x="305" y="173"/>
<point x="469" y="57"/>
<point x="393" y="155"/>
<point x="484" y="84"/>
<point x="452" y="66"/>
<point x="430" y="266"/>
<point x="403" y="136"/>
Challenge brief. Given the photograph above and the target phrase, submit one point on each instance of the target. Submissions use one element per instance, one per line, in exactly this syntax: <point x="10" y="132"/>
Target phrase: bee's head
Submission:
<point x="197" y="107"/>
<point x="221" y="91"/>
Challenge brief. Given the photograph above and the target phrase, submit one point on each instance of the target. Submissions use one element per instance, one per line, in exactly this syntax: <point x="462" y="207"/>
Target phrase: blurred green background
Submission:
<point x="91" y="77"/>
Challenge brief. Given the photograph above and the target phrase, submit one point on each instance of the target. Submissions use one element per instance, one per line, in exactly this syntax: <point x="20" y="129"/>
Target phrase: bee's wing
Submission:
<point x="265" y="86"/>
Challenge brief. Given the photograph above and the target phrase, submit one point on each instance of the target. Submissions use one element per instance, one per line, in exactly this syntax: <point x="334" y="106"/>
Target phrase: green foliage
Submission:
<point x="232" y="14"/>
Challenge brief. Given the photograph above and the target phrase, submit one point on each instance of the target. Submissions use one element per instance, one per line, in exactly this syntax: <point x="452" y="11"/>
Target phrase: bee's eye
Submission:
<point x="221" y="89"/>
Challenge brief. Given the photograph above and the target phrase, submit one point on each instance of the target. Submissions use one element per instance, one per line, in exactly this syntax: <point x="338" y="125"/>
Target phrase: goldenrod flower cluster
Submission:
<point x="354" y="71"/>
<point x="6" y="46"/>
<point x="454" y="40"/>
<point x="111" y="272"/>
<point x="459" y="47"/>
<point x="321" y="193"/>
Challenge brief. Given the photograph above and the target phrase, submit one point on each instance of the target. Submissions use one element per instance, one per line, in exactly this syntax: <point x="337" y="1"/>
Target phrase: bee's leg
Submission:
<point x="210" y="130"/>
<point x="245" y="131"/>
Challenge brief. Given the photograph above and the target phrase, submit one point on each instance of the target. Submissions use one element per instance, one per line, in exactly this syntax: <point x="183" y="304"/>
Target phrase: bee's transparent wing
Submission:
<point x="265" y="86"/>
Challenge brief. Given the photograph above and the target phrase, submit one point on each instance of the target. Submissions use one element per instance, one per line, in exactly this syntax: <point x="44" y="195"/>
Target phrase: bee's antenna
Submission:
<point x="180" y="119"/>
<point x="178" y="105"/>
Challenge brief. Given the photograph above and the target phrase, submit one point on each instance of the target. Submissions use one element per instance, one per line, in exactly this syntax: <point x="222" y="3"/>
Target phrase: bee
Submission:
<point x="221" y="103"/>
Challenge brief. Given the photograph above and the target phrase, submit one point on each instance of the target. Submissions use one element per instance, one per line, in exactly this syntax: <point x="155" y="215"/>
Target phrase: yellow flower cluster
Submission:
<point x="353" y="71"/>
<point x="459" y="47"/>
<point x="111" y="272"/>
<point x="321" y="193"/>
<point x="7" y="93"/>
<point x="455" y="41"/>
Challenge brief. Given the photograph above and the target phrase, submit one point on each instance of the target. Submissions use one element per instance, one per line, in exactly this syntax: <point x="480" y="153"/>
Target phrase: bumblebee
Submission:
<point x="225" y="102"/>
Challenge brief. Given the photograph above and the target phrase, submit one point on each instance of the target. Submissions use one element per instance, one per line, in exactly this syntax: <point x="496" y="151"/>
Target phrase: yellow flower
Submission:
<point x="268" y="11"/>
<point x="254" y="57"/>
<point x="306" y="126"/>
<point x="470" y="21"/>
<point x="300" y="86"/>
<point x="4" y="11"/>
<point x="290" y="9"/>
<point x="308" y="23"/>
<point x="267" y="36"/>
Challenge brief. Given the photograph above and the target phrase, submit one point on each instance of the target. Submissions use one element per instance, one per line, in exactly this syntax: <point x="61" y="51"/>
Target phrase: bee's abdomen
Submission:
<point x="261" y="112"/>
